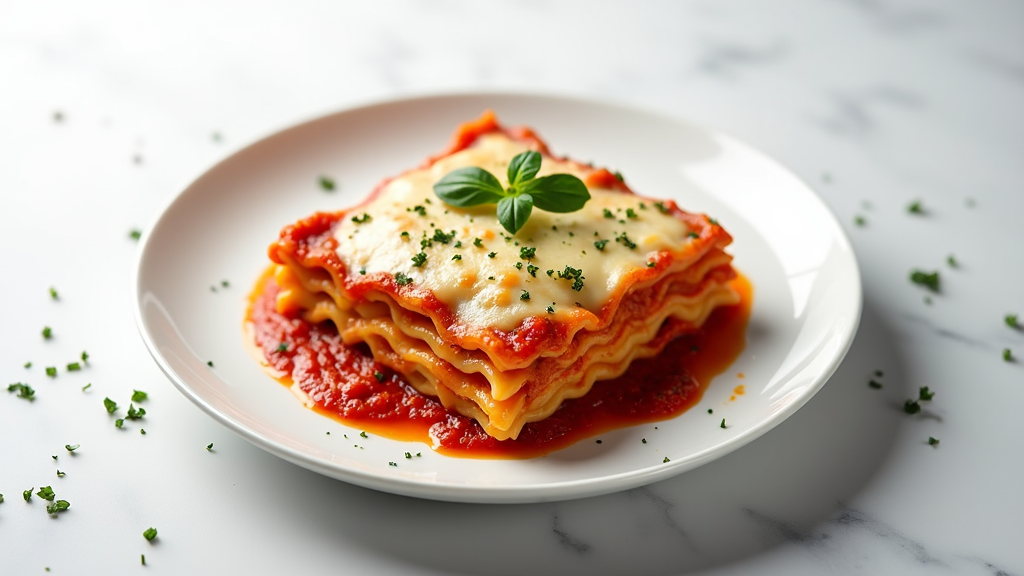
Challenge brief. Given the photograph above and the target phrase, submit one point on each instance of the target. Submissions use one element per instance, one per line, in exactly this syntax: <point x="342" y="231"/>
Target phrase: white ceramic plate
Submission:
<point x="807" y="297"/>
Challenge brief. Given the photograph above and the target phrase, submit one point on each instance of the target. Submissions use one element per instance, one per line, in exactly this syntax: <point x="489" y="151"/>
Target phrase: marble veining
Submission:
<point x="896" y="18"/>
<point x="849" y="523"/>
<point x="566" y="540"/>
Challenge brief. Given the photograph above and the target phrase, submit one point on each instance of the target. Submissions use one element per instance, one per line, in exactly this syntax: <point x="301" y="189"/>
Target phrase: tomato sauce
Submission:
<point x="345" y="383"/>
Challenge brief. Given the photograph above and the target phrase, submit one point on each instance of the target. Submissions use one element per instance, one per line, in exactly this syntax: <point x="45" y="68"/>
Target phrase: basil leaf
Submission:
<point x="523" y="167"/>
<point x="558" y="193"/>
<point x="514" y="211"/>
<point x="469" y="186"/>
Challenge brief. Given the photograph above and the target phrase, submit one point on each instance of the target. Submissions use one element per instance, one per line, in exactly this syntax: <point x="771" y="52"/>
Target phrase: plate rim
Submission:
<point x="541" y="492"/>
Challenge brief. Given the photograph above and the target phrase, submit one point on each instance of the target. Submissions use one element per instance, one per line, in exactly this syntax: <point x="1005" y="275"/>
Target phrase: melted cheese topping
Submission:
<point x="491" y="284"/>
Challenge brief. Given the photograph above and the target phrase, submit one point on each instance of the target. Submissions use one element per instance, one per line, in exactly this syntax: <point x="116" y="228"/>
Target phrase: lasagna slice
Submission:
<point x="503" y="328"/>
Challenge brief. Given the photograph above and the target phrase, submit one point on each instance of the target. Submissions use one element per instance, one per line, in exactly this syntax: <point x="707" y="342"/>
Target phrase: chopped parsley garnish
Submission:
<point x="661" y="207"/>
<point x="419" y="210"/>
<point x="209" y="363"/>
<point x="472" y="186"/>
<point x="1007" y="355"/>
<point x="722" y="425"/>
<point x="74" y="366"/>
<point x="47" y="332"/>
<point x="630" y="213"/>
<point x="713" y="221"/>
<point x="53" y="293"/>
<point x="378" y="375"/>
<point x="419" y="259"/>
<point x="71" y="447"/>
<point x="28" y="365"/>
<point x="58" y="506"/>
<point x="524" y="295"/>
<point x="518" y="265"/>
<point x="402" y="280"/>
<point x="651" y="264"/>
<point x="859" y="220"/>
<point x="618" y="176"/>
<point x="362" y="218"/>
<point x="665" y="460"/>
<point x="51" y="371"/>
<point x="408" y="456"/>
<point x="457" y="257"/>
<point x="443" y="238"/>
<point x="625" y="241"/>
<point x="209" y="448"/>
<point x="458" y="243"/>
<point x="149" y="534"/>
<point x="135" y="413"/>
<point x="527" y="253"/>
<point x="607" y="213"/>
<point x="326" y="183"/>
<point x="143" y="559"/>
<point x="85" y="356"/>
<point x="110" y="405"/>
<point x="404" y="235"/>
<point x="550" y="272"/>
<point x="951" y="260"/>
<point x="933" y="441"/>
<point x="1011" y="321"/>
<point x="362" y="271"/>
<point x="915" y="207"/>
<point x="282" y="347"/>
<point x="574" y="274"/>
<point x="930" y="281"/>
<point x="135" y="234"/>
<point x="395" y="464"/>
<point x="119" y="423"/>
<point x="87" y="386"/>
<point x="600" y="244"/>
<point x="550" y="309"/>
<point x="492" y="254"/>
<point x="46" y="493"/>
<point x="61" y="474"/>
<point x="874" y="384"/>
<point x="478" y="243"/>
<point x="532" y="270"/>
<point x="925" y="394"/>
<point x="24" y="390"/>
<point x="911" y="407"/>
<point x="692" y="234"/>
<point x="363" y="434"/>
<point x="643" y="440"/>
<point x="27" y="494"/>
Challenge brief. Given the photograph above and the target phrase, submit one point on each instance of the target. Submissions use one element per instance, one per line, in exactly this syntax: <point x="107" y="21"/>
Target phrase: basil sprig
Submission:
<point x="472" y="186"/>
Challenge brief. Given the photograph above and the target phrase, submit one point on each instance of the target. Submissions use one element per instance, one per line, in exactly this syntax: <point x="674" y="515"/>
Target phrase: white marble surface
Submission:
<point x="876" y="103"/>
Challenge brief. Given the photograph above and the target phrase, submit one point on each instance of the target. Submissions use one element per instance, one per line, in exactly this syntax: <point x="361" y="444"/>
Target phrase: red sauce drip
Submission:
<point x="341" y="380"/>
